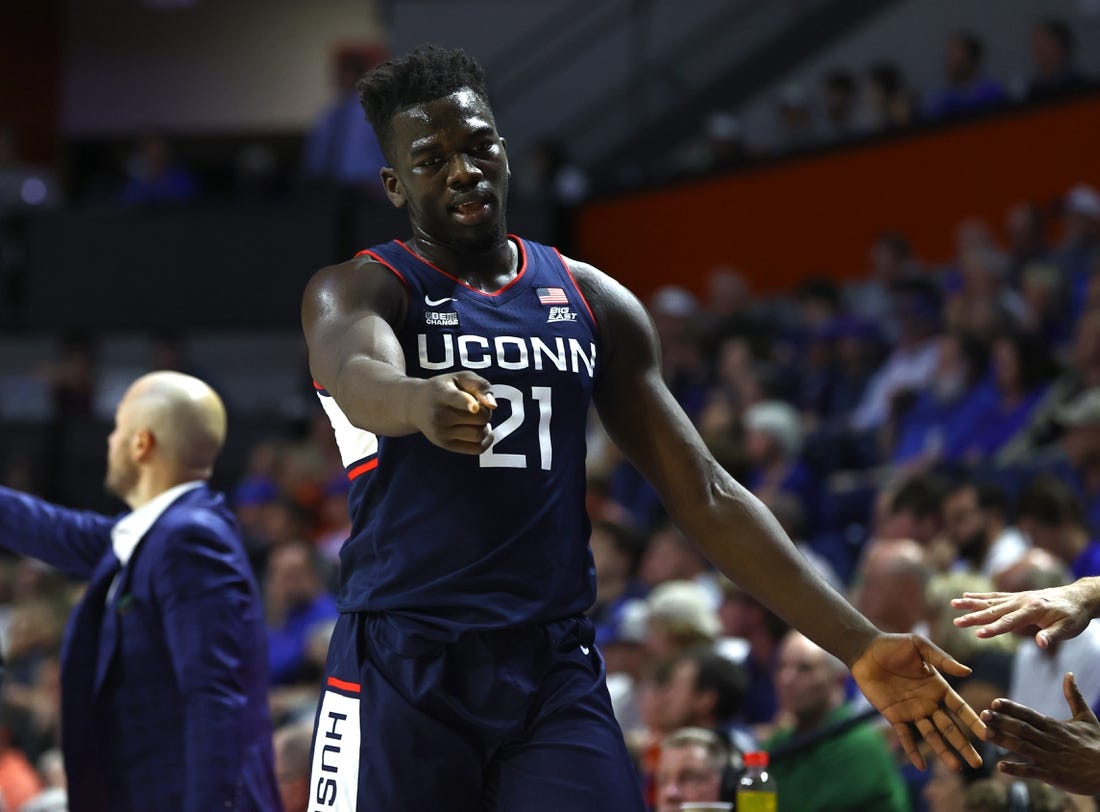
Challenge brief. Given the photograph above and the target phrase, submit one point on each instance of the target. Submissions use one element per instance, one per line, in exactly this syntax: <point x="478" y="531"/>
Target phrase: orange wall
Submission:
<point x="782" y="222"/>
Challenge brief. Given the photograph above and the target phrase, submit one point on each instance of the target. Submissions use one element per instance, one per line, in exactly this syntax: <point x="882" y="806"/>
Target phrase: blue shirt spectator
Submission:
<point x="297" y="605"/>
<point x="967" y="91"/>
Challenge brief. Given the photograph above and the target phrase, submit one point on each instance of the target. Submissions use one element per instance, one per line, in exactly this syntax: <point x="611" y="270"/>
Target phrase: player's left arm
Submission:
<point x="743" y="539"/>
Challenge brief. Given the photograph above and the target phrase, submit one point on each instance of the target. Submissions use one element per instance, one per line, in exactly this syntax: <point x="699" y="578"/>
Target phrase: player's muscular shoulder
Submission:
<point x="358" y="285"/>
<point x="620" y="317"/>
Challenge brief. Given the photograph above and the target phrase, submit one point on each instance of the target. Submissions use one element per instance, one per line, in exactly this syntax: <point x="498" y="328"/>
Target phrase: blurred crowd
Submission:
<point x="846" y="104"/>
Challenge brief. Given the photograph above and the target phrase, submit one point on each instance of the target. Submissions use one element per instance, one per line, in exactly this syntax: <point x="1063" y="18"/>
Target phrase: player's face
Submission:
<point x="450" y="170"/>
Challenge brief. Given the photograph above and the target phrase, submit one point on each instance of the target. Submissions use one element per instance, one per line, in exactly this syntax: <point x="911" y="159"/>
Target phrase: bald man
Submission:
<point x="164" y="667"/>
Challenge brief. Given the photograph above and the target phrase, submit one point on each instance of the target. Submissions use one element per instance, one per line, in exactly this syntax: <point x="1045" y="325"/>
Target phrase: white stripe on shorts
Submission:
<point x="334" y="780"/>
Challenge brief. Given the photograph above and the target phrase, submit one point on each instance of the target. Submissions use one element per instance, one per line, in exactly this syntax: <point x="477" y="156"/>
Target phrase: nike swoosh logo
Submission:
<point x="584" y="650"/>
<point x="435" y="302"/>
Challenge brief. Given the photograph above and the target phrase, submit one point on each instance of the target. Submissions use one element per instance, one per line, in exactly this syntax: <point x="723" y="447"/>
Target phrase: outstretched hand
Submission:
<point x="900" y="675"/>
<point x="1059" y="612"/>
<point x="1063" y="754"/>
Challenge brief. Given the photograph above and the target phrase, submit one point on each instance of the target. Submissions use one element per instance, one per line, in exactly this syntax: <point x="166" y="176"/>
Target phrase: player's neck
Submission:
<point x="488" y="270"/>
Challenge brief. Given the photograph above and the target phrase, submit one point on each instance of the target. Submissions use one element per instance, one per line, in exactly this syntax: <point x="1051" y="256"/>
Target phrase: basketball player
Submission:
<point x="457" y="368"/>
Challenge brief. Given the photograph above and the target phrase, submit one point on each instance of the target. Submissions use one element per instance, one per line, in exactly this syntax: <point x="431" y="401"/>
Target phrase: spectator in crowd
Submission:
<point x="682" y="614"/>
<point x="839" y="102"/>
<point x="1077" y="255"/>
<point x="913" y="360"/>
<point x="890" y="262"/>
<point x="54" y="797"/>
<point x="1050" y="515"/>
<point x="745" y="618"/>
<point x="155" y="177"/>
<point x="820" y="760"/>
<point x="19" y="782"/>
<point x="890" y="104"/>
<point x="693" y="763"/>
<point x="975" y="521"/>
<point x="296" y="602"/>
<point x="719" y="145"/>
<point x="1022" y="369"/>
<point x="981" y="302"/>
<point x="1043" y="293"/>
<point x="1026" y="227"/>
<point x="857" y="353"/>
<point x="341" y="148"/>
<point x="913" y="509"/>
<point x="1082" y="372"/>
<point x="968" y="89"/>
<point x="333" y="520"/>
<point x="942" y="411"/>
<point x="993" y="795"/>
<point x="669" y="556"/>
<point x="621" y="640"/>
<point x="795" y="118"/>
<point x="1037" y="672"/>
<point x="773" y="443"/>
<point x="292" y="746"/>
<point x="729" y="307"/>
<point x="616" y="551"/>
<point x="892" y="584"/>
<point x="704" y="689"/>
<point x="1052" y="57"/>
<point x="1078" y="463"/>
<point x="945" y="790"/>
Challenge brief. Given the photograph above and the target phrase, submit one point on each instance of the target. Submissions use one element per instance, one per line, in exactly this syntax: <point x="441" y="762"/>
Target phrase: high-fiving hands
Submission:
<point x="900" y="675"/>
<point x="1058" y="613"/>
<point x="1063" y="754"/>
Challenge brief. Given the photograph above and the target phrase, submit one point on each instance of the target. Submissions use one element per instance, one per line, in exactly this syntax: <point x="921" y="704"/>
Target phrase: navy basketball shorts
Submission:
<point x="513" y="720"/>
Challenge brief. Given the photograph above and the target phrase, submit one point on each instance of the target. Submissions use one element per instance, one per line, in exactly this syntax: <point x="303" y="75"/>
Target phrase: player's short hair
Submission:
<point x="425" y="74"/>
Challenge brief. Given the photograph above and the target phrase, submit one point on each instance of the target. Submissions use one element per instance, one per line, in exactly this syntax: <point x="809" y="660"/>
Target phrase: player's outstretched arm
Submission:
<point x="1060" y="612"/>
<point x="900" y="674"/>
<point x="349" y="314"/>
<point x="1063" y="754"/>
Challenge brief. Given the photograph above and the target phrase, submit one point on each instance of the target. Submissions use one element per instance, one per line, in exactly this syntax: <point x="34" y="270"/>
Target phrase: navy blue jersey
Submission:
<point x="457" y="541"/>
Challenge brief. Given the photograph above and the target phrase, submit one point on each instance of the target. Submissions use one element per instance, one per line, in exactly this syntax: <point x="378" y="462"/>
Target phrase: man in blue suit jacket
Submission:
<point x="164" y="668"/>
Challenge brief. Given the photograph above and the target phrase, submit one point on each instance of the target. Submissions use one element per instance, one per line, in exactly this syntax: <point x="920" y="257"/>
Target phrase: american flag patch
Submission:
<point x="552" y="296"/>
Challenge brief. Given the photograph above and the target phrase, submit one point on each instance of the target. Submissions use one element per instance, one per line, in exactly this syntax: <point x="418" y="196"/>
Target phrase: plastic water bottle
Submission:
<point x="756" y="790"/>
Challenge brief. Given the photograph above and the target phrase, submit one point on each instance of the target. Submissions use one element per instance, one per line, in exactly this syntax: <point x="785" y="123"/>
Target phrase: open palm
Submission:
<point x="900" y="675"/>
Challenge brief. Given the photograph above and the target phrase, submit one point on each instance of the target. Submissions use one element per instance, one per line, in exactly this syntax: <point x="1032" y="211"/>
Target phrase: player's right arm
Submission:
<point x="350" y="314"/>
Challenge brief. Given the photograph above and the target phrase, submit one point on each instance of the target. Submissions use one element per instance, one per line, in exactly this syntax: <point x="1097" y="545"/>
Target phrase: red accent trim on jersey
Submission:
<point x="381" y="261"/>
<point x="362" y="468"/>
<point x="353" y="687"/>
<point x="456" y="280"/>
<point x="580" y="293"/>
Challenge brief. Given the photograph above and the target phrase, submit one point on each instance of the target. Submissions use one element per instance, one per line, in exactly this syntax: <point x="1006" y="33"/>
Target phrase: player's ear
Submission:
<point x="504" y="146"/>
<point x="392" y="184"/>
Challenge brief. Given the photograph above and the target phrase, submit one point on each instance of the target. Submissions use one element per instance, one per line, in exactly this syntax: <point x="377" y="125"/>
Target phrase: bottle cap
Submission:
<point x="757" y="758"/>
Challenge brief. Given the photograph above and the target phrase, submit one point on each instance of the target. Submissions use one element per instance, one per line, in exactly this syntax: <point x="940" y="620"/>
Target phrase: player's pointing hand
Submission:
<point x="453" y="411"/>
